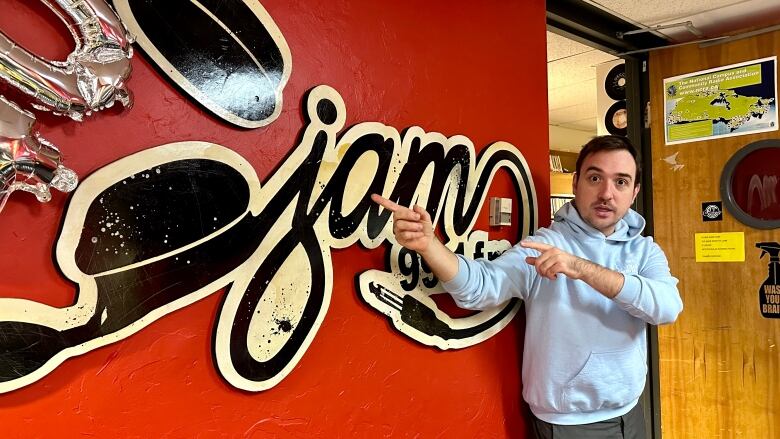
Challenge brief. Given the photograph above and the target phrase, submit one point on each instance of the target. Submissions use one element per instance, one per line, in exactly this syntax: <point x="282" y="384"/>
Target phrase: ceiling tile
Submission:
<point x="574" y="113"/>
<point x="652" y="12"/>
<point x="587" y="125"/>
<point x="579" y="93"/>
<point x="561" y="47"/>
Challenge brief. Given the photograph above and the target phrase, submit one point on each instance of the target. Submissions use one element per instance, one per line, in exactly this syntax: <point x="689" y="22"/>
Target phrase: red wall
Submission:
<point x="471" y="68"/>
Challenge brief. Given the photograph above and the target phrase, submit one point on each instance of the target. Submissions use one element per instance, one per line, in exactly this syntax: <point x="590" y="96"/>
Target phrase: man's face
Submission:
<point x="604" y="189"/>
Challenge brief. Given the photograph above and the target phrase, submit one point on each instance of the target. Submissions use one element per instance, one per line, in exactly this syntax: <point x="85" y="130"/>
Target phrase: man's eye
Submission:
<point x="622" y="182"/>
<point x="594" y="178"/>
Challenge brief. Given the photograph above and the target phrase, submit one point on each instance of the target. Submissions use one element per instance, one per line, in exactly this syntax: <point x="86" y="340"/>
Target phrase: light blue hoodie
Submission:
<point x="585" y="357"/>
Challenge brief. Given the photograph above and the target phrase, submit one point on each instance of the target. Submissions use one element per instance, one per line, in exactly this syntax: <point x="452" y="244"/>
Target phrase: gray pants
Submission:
<point x="629" y="426"/>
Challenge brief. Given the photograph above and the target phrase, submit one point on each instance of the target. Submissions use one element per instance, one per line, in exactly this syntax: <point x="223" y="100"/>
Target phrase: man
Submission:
<point x="590" y="284"/>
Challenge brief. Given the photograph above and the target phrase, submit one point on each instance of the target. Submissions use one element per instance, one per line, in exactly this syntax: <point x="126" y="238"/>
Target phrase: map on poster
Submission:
<point x="726" y="101"/>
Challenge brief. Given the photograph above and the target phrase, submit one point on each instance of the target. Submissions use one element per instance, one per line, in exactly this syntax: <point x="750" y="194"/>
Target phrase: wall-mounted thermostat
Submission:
<point x="500" y="211"/>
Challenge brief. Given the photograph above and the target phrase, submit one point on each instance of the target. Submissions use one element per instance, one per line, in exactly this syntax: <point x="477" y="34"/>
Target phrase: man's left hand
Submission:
<point x="553" y="261"/>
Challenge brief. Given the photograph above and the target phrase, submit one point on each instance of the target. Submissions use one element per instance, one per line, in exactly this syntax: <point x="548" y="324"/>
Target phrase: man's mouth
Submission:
<point x="603" y="211"/>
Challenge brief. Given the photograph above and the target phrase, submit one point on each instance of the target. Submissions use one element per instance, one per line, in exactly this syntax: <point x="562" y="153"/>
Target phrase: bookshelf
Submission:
<point x="560" y="184"/>
<point x="560" y="190"/>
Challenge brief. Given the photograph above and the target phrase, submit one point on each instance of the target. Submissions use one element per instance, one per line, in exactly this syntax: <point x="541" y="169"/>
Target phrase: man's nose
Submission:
<point x="606" y="191"/>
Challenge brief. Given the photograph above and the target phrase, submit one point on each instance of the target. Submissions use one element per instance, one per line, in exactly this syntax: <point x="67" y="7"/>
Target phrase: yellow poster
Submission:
<point x="720" y="247"/>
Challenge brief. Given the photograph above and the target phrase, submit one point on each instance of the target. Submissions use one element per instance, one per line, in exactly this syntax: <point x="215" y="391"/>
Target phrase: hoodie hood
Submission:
<point x="629" y="227"/>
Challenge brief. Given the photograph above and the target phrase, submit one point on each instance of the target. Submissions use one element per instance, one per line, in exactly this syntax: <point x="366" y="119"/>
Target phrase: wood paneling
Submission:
<point x="720" y="362"/>
<point x="560" y="183"/>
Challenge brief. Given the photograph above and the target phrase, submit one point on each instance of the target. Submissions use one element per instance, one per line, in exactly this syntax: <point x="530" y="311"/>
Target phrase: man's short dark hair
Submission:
<point x="610" y="143"/>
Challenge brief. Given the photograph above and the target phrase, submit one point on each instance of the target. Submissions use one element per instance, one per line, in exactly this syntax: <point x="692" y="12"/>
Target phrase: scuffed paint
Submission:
<point x="672" y="161"/>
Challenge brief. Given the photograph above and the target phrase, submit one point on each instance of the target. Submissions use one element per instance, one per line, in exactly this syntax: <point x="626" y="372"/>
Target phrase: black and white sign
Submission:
<point x="163" y="228"/>
<point x="712" y="211"/>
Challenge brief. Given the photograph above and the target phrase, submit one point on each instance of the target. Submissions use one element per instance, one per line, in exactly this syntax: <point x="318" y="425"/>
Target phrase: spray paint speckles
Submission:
<point x="284" y="325"/>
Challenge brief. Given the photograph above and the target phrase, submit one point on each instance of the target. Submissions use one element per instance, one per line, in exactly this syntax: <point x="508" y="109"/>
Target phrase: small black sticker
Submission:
<point x="712" y="211"/>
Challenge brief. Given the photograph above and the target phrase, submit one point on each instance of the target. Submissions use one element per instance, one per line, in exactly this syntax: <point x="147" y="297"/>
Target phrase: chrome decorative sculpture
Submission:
<point x="91" y="78"/>
<point x="27" y="161"/>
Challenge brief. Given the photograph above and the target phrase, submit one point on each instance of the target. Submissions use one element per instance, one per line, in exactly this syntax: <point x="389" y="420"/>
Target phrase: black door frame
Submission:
<point x="587" y="24"/>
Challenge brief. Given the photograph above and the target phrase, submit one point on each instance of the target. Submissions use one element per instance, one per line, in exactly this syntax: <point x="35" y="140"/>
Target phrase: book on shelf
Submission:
<point x="555" y="163"/>
<point x="557" y="202"/>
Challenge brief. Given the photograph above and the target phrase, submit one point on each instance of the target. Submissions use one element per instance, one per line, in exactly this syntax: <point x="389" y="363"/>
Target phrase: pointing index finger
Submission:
<point x="384" y="202"/>
<point x="540" y="246"/>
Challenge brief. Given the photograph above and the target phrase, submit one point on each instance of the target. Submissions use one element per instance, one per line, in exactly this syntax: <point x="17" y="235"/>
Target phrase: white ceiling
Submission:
<point x="571" y="66"/>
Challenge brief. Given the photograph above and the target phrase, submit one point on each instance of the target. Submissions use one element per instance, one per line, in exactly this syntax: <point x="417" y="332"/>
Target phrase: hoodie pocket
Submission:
<point x="608" y="380"/>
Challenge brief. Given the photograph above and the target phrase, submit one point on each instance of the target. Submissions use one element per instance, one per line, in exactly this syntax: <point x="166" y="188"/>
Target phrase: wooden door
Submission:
<point x="720" y="362"/>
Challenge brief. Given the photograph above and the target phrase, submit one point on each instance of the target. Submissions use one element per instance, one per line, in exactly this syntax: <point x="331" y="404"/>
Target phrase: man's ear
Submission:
<point x="636" y="192"/>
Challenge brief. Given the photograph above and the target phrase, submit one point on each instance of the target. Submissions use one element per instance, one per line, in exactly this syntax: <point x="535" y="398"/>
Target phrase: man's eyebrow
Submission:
<point x="619" y="174"/>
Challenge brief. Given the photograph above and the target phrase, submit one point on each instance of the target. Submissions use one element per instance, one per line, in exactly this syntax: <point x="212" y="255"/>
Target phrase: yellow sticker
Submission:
<point x="720" y="247"/>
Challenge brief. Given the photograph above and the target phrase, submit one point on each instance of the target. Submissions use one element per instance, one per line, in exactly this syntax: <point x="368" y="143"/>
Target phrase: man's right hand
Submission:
<point x="412" y="228"/>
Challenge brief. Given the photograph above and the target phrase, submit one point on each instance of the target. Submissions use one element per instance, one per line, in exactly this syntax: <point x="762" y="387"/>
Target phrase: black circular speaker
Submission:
<point x="615" y="82"/>
<point x="616" y="119"/>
